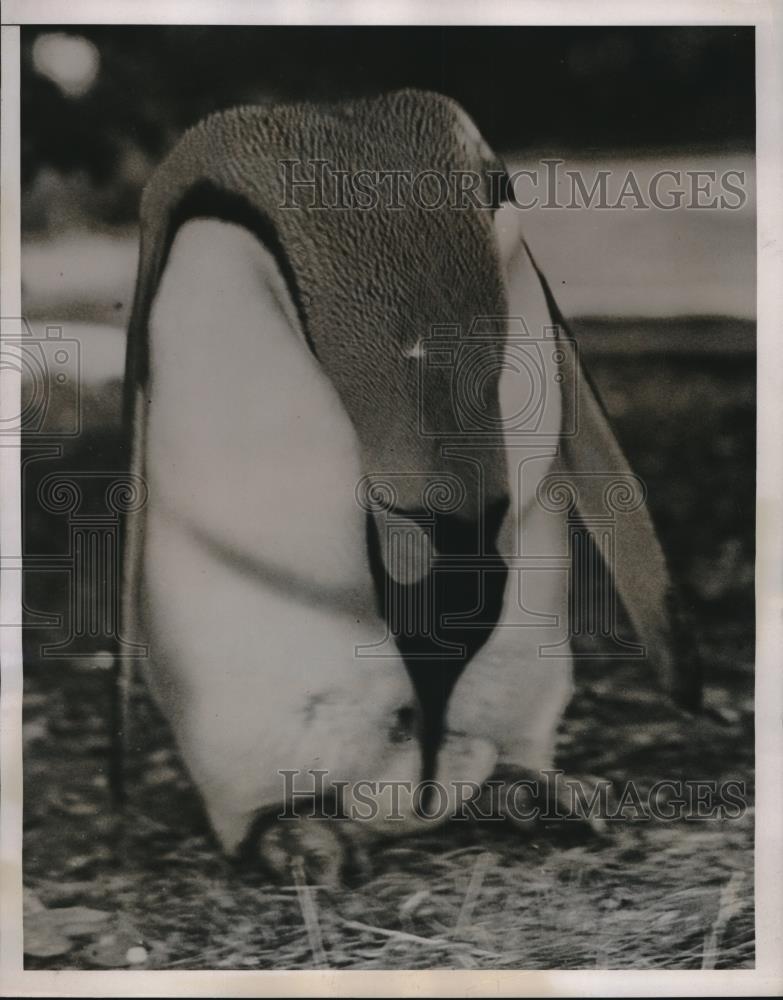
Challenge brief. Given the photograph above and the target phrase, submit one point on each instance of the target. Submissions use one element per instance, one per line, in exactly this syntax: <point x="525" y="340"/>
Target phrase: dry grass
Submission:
<point x="648" y="895"/>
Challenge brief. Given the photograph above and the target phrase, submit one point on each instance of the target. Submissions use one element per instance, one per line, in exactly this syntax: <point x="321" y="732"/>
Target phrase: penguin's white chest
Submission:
<point x="247" y="440"/>
<point x="257" y="588"/>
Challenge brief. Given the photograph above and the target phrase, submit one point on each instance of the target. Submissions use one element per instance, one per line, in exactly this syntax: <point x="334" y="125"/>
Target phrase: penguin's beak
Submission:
<point x="412" y="541"/>
<point x="458" y="535"/>
<point x="440" y="586"/>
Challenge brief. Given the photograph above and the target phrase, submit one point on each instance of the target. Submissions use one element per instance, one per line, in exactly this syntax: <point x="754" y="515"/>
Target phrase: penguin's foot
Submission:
<point x="319" y="851"/>
<point x="527" y="799"/>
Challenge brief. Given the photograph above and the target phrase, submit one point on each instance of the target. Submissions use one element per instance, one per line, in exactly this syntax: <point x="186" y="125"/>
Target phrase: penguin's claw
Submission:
<point x="312" y="848"/>
<point x="527" y="799"/>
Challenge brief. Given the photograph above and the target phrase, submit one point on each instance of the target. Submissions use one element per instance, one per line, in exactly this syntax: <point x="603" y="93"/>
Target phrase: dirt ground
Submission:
<point x="151" y="890"/>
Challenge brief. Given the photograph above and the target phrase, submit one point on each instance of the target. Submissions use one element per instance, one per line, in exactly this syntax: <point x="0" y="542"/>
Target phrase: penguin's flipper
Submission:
<point x="604" y="483"/>
<point x="592" y="464"/>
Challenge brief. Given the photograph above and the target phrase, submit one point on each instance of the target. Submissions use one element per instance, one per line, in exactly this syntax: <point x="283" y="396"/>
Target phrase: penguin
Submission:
<point x="349" y="418"/>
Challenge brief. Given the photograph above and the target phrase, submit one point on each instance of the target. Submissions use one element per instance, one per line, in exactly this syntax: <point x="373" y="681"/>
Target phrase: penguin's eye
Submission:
<point x="415" y="352"/>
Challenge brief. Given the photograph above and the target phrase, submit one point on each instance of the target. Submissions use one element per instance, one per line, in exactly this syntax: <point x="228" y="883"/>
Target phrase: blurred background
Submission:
<point x="100" y="106"/>
<point x="663" y="305"/>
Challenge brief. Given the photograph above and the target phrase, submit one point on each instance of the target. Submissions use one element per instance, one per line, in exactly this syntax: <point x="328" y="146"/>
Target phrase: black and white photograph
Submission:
<point x="389" y="590"/>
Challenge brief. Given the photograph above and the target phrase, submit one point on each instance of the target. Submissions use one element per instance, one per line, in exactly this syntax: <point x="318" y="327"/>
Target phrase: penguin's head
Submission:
<point x="400" y="287"/>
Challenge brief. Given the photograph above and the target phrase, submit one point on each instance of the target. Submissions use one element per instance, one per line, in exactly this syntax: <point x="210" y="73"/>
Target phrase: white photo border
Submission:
<point x="767" y="977"/>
